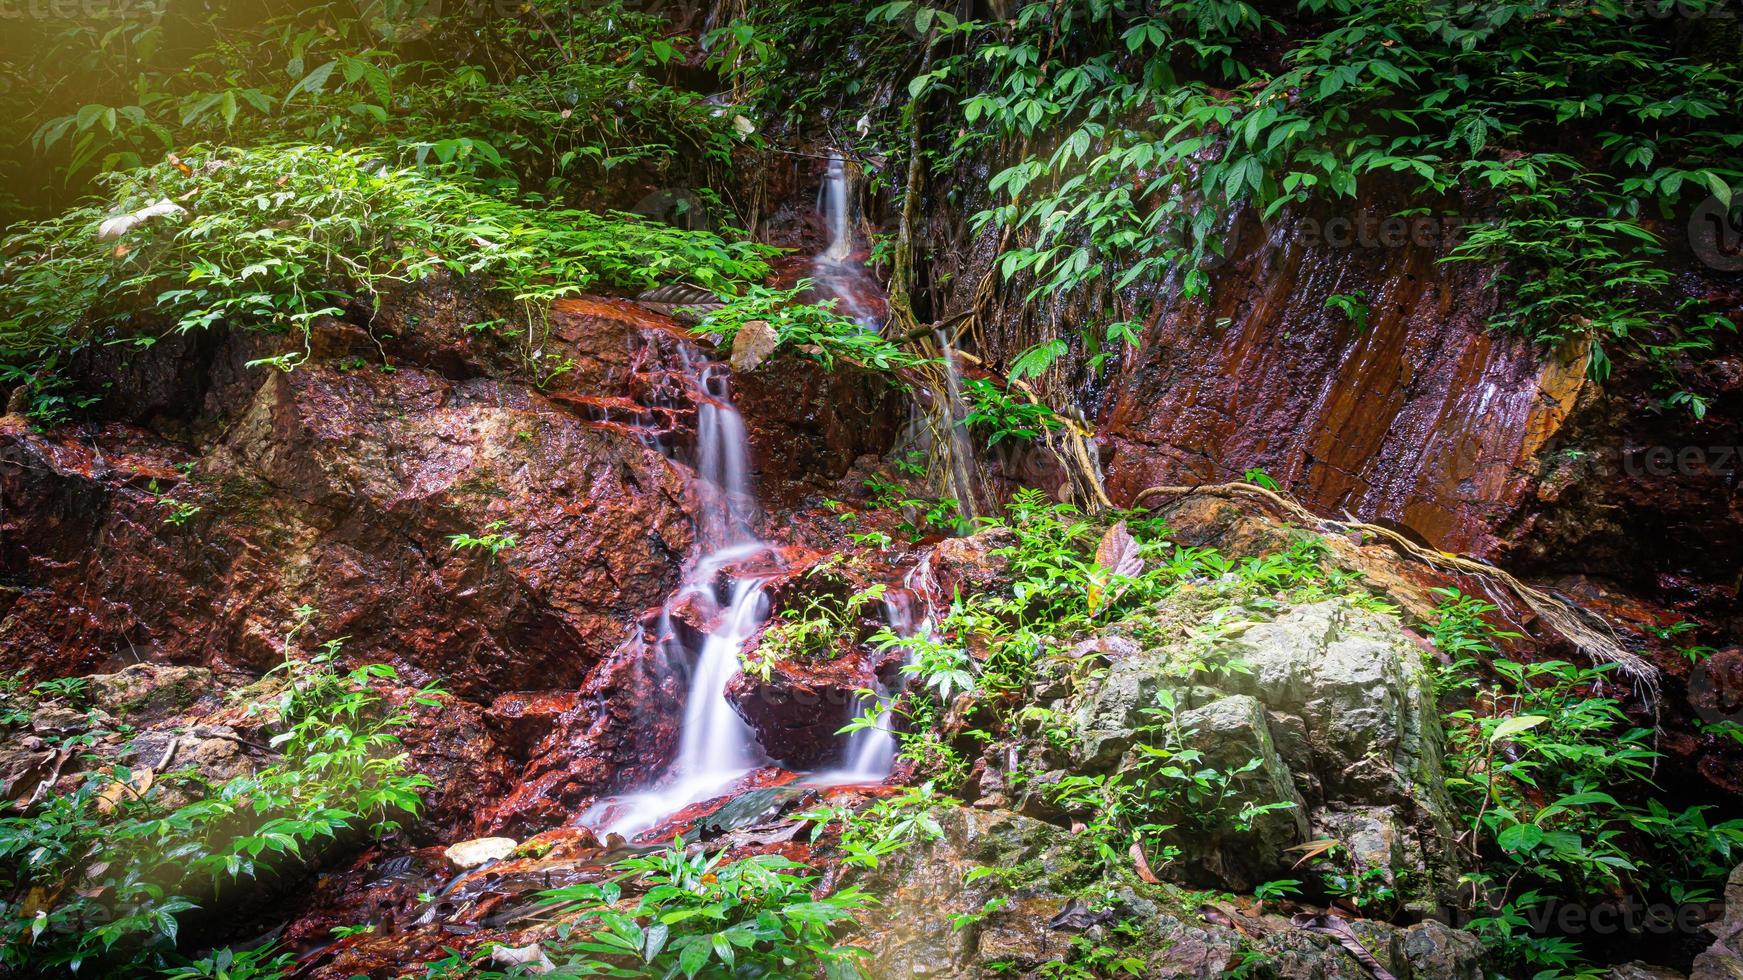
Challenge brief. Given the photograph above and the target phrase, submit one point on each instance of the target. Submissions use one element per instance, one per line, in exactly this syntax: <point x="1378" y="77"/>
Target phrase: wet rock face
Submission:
<point x="619" y="732"/>
<point x="1475" y="441"/>
<point x="1424" y="418"/>
<point x="342" y="489"/>
<point x="798" y="708"/>
<point x="808" y="426"/>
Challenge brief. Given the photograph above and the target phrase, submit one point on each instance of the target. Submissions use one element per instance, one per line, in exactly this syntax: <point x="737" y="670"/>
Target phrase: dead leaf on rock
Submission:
<point x="531" y="956"/>
<point x="1116" y="557"/>
<point x="756" y="340"/>
<point x="1142" y="864"/>
<point x="133" y="787"/>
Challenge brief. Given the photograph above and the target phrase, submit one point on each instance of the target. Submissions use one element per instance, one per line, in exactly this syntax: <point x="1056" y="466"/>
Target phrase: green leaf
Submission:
<point x="1520" y="837"/>
<point x="1514" y="725"/>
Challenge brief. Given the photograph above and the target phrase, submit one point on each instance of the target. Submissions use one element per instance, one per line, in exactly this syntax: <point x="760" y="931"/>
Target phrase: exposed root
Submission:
<point x="1584" y="629"/>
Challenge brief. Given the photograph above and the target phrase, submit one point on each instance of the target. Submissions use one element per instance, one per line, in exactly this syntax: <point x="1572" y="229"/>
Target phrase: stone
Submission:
<point x="1723" y="960"/>
<point x="472" y="853"/>
<point x="1636" y="970"/>
<point x="1231" y="733"/>
<point x="1054" y="887"/>
<point x="1338" y="704"/>
<point x="972" y="565"/>
<point x="1375" y="839"/>
<point x="148" y="692"/>
<point x="1437" y="951"/>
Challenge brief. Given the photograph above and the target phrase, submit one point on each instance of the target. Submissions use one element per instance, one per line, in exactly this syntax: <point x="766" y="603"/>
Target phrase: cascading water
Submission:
<point x="958" y="452"/>
<point x="715" y="747"/>
<point x="834" y="273"/>
<point x="833" y="207"/>
<point x="871" y="752"/>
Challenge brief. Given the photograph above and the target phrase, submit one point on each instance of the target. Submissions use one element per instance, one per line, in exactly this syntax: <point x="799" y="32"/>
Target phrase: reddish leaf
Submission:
<point x="1142" y="865"/>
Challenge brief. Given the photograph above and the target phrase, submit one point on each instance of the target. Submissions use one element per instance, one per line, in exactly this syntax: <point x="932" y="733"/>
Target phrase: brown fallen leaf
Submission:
<point x="1117" y="556"/>
<point x="134" y="787"/>
<point x="755" y="341"/>
<point x="1312" y="849"/>
<point x="1142" y="864"/>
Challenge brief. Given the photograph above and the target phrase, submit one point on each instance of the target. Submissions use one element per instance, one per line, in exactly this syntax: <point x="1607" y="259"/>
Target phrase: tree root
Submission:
<point x="1584" y="629"/>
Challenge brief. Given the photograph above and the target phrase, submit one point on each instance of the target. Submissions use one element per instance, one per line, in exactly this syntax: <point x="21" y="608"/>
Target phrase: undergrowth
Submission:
<point x="97" y="880"/>
<point x="275" y="237"/>
<point x="1557" y="785"/>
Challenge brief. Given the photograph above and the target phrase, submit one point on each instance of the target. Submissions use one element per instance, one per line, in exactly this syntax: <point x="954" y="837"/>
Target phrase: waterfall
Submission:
<point x="715" y="747"/>
<point x="834" y="272"/>
<point x="956" y="451"/>
<point x="833" y="206"/>
<point x="717" y="750"/>
<point x="871" y="752"/>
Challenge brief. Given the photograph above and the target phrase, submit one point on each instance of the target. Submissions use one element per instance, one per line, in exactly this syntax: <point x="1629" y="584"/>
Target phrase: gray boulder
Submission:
<point x="1338" y="705"/>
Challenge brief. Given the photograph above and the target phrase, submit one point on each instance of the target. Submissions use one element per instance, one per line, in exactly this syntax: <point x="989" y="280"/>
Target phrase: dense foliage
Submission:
<point x="1567" y="144"/>
<point x="100" y="877"/>
<point x="1558" y="784"/>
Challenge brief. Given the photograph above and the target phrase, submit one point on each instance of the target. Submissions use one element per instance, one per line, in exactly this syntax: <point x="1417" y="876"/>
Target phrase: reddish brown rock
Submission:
<point x="1423" y="418"/>
<point x="797" y="708"/>
<point x="523" y="719"/>
<point x="341" y="489"/>
<point x="808" y="426"/>
<point x="620" y="733"/>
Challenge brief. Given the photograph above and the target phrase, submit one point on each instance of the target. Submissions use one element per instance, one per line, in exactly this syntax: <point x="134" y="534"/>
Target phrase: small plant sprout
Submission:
<point x="494" y="540"/>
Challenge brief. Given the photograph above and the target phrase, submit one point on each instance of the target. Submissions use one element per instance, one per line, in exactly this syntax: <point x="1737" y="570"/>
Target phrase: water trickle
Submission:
<point x="871" y="752"/>
<point x="835" y="274"/>
<point x="958" y="451"/>
<point x="832" y="204"/>
<point x="726" y="582"/>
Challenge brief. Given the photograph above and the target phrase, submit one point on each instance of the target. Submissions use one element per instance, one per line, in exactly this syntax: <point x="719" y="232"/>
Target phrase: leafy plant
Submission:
<point x="999" y="416"/>
<point x="815" y="329"/>
<point x="494" y="540"/>
<point x="700" y="916"/>
<point x="264" y="963"/>
<point x="1557" y="782"/>
<point x="279" y="236"/>
<point x="814" y="631"/>
<point x="140" y="859"/>
<point x="1354" y="307"/>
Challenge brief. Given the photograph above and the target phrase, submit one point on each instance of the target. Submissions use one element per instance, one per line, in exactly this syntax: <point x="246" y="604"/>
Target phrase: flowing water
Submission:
<point x="871" y="752"/>
<point x="835" y="273"/>
<point x="715" y="747"/>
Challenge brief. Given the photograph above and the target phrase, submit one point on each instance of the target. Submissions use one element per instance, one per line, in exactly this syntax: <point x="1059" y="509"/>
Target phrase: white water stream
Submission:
<point x="716" y="749"/>
<point x="834" y="273"/>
